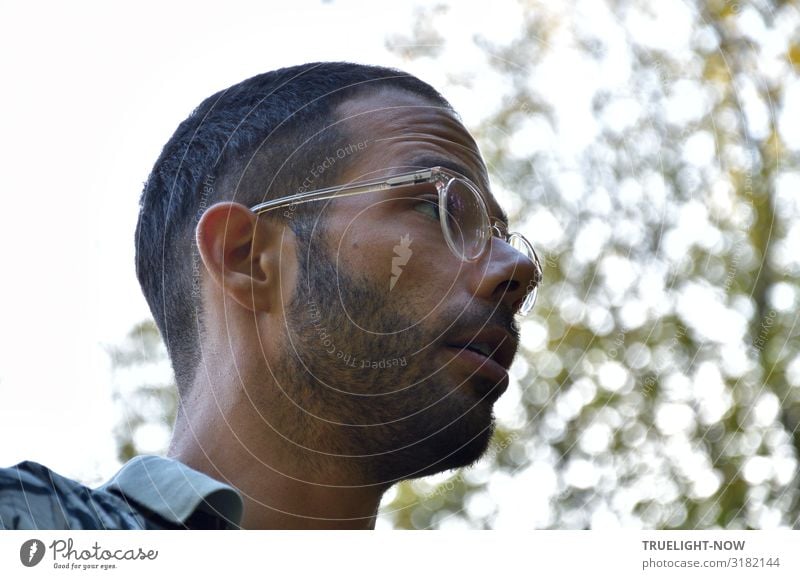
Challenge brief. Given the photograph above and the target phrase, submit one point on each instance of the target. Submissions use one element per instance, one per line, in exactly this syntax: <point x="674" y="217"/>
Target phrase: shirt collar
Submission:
<point x="174" y="491"/>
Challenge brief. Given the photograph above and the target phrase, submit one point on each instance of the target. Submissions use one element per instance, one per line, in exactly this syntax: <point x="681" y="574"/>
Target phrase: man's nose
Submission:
<point x="503" y="274"/>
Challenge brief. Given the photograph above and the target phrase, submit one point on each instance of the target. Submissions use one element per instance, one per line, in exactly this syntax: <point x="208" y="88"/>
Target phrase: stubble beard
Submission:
<point x="355" y="407"/>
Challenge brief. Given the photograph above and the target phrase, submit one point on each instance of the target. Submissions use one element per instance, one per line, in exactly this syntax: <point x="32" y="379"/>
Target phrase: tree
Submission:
<point x="143" y="392"/>
<point x="660" y="388"/>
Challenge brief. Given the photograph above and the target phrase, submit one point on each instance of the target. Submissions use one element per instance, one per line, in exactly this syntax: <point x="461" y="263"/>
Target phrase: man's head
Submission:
<point x="333" y="321"/>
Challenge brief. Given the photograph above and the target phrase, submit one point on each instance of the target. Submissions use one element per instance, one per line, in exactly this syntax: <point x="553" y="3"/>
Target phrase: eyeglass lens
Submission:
<point x="466" y="220"/>
<point x="467" y="229"/>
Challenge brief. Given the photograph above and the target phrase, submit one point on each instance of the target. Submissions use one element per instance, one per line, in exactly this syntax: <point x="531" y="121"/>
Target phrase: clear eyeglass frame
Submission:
<point x="467" y="240"/>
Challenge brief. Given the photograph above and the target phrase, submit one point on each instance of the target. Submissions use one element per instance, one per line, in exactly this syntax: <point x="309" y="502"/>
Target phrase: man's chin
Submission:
<point x="465" y="455"/>
<point x="457" y="445"/>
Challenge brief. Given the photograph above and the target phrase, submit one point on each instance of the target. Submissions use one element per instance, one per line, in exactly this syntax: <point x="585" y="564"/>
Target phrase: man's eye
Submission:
<point x="428" y="206"/>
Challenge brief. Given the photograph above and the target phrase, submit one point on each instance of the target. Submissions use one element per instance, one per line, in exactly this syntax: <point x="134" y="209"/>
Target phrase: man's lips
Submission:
<point x="492" y="342"/>
<point x="485" y="353"/>
<point x="493" y="377"/>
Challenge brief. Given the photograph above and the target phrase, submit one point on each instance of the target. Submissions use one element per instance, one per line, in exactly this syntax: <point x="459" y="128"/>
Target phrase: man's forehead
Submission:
<point x="407" y="131"/>
<point x="391" y="116"/>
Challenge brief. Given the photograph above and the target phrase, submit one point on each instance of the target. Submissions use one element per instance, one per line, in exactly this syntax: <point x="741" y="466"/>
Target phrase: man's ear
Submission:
<point x="241" y="254"/>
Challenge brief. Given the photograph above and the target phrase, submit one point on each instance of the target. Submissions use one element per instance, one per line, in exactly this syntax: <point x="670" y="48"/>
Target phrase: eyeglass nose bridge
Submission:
<point x="500" y="232"/>
<point x="499" y="229"/>
<point x="509" y="237"/>
<point x="526" y="303"/>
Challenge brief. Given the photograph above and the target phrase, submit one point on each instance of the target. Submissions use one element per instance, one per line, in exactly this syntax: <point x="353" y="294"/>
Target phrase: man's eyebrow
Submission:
<point x="427" y="161"/>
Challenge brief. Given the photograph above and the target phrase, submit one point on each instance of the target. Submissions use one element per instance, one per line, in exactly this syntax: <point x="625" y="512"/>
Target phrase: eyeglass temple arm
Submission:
<point x="344" y="191"/>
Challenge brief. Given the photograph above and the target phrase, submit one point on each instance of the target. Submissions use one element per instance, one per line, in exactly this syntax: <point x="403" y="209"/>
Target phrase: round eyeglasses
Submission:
<point x="467" y="227"/>
<point x="465" y="221"/>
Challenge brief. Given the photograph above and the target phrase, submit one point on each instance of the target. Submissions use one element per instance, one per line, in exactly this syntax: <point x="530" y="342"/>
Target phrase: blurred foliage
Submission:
<point x="143" y="392"/>
<point x="645" y="148"/>
<point x="660" y="387"/>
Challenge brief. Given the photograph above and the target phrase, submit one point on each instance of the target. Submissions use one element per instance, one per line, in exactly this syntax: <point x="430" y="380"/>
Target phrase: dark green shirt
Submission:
<point x="149" y="492"/>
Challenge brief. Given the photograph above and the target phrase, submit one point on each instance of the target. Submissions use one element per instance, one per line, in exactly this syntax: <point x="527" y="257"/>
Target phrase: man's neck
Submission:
<point x="282" y="487"/>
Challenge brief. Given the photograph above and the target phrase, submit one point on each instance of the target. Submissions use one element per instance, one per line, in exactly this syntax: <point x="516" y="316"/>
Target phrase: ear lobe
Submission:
<point x="232" y="245"/>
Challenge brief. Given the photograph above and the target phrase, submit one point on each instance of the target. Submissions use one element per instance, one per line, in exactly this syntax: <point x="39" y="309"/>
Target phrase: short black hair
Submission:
<point x="257" y="140"/>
